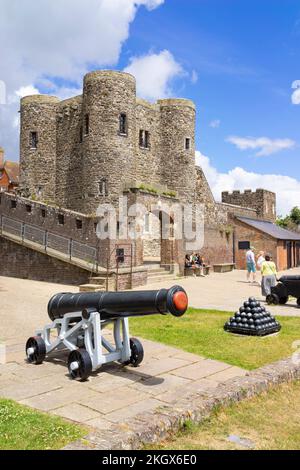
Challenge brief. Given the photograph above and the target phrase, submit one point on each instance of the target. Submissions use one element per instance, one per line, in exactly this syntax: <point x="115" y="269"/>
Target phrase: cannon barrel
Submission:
<point x="121" y="304"/>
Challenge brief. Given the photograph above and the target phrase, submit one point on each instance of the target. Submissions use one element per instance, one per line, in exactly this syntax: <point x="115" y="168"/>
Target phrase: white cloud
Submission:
<point x="48" y="39"/>
<point x="265" y="145"/>
<point x="26" y="91"/>
<point x="154" y="73"/>
<point x="296" y="93"/>
<point x="287" y="188"/>
<point x="194" y="77"/>
<point x="215" y="123"/>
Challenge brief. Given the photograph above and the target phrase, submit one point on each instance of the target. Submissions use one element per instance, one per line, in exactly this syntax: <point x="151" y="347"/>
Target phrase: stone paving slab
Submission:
<point x="201" y="369"/>
<point x="76" y="412"/>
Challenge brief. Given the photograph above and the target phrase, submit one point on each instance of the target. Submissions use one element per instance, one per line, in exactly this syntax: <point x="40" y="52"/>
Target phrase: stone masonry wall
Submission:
<point x="263" y="201"/>
<point x="23" y="263"/>
<point x="38" y="165"/>
<point x="69" y="158"/>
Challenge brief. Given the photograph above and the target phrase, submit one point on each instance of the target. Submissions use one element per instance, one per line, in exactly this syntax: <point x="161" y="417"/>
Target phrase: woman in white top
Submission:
<point x="260" y="259"/>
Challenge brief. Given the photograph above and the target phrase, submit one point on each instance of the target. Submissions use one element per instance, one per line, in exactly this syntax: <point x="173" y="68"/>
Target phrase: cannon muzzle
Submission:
<point x="121" y="304"/>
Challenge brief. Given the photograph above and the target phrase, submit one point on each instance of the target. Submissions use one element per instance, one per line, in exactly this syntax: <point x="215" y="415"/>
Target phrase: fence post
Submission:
<point x="46" y="240"/>
<point x="70" y="248"/>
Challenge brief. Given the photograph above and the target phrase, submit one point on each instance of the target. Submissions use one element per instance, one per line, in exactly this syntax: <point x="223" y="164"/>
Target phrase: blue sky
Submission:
<point x="237" y="59"/>
<point x="245" y="54"/>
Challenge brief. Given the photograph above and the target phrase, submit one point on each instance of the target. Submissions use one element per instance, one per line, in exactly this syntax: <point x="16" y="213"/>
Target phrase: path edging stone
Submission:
<point x="154" y="426"/>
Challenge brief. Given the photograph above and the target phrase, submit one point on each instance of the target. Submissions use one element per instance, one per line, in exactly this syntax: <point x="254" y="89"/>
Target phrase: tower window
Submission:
<point x="28" y="208"/>
<point x="188" y="144"/>
<point x="81" y="135"/>
<point x="87" y="124"/>
<point x="78" y="224"/>
<point x="103" y="188"/>
<point x="33" y="140"/>
<point x="144" y="139"/>
<point x="123" y="124"/>
<point x="43" y="213"/>
<point x="13" y="204"/>
<point x="61" y="219"/>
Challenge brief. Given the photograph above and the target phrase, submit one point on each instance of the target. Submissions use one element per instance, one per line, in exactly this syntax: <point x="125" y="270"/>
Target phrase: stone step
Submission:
<point x="91" y="288"/>
<point x="167" y="277"/>
<point x="101" y="281"/>
<point x="154" y="272"/>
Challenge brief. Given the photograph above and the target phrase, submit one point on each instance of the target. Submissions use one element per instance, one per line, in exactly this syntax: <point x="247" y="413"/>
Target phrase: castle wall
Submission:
<point x="264" y="202"/>
<point x="69" y="159"/>
<point x="23" y="263"/>
<point x="147" y="160"/>
<point x="108" y="155"/>
<point x="38" y="165"/>
<point x="177" y="163"/>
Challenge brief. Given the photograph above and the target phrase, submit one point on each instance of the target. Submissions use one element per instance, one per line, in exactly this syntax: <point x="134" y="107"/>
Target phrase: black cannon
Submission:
<point x="287" y="286"/>
<point x="80" y="318"/>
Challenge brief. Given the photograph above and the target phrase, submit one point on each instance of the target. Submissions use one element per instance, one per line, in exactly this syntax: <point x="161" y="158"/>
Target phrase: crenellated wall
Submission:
<point x="263" y="201"/>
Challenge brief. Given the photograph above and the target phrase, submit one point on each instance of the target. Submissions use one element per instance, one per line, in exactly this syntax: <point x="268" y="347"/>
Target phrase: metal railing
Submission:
<point x="47" y="240"/>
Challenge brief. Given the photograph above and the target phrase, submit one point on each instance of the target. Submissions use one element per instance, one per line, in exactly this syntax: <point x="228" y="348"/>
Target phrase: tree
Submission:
<point x="295" y="215"/>
<point x="291" y="221"/>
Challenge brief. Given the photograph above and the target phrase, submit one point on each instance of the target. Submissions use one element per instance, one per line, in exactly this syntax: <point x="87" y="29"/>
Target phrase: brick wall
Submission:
<point x="23" y="263"/>
<point x="260" y="241"/>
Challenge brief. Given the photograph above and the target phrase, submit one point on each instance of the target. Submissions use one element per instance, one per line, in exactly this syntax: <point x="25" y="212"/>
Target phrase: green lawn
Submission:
<point x="270" y="421"/>
<point x="201" y="332"/>
<point x="22" y="428"/>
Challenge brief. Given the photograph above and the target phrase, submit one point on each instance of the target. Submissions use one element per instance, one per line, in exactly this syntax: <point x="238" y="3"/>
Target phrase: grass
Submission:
<point x="201" y="332"/>
<point x="22" y="428"/>
<point x="270" y="421"/>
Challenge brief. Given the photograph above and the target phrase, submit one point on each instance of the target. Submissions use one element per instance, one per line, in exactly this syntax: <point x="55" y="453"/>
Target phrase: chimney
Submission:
<point x="1" y="157"/>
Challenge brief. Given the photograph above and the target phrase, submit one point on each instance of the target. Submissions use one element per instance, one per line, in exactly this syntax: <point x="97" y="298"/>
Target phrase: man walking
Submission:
<point x="251" y="265"/>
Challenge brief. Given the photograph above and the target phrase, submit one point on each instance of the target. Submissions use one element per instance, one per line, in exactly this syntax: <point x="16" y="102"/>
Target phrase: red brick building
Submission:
<point x="283" y="245"/>
<point x="9" y="174"/>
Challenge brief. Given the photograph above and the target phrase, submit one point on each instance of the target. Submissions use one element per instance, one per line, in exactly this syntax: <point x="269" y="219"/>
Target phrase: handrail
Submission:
<point x="49" y="240"/>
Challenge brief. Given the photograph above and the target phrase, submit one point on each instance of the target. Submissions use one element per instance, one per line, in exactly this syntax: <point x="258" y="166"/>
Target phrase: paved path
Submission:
<point x="114" y="394"/>
<point x="227" y="291"/>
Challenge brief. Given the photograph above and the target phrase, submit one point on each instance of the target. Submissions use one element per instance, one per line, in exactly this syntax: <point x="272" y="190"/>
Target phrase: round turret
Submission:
<point x="178" y="146"/>
<point x="38" y="146"/>
<point x="108" y="135"/>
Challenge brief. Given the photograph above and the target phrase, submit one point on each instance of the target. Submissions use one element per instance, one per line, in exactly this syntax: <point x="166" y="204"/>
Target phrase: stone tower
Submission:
<point x="38" y="146"/>
<point x="177" y="131"/>
<point x="109" y="151"/>
<point x="263" y="201"/>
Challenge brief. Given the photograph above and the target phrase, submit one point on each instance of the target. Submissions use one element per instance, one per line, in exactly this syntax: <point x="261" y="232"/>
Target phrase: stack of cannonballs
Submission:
<point x="253" y="319"/>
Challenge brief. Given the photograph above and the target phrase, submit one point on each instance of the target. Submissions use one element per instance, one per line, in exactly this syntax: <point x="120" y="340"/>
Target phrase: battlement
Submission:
<point x="262" y="200"/>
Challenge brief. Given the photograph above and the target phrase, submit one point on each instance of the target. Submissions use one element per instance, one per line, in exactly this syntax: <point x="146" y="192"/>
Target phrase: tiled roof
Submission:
<point x="13" y="171"/>
<point x="271" y="229"/>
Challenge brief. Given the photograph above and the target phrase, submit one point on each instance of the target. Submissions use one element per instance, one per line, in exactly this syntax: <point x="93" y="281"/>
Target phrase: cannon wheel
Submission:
<point x="137" y="352"/>
<point x="80" y="365"/>
<point x="283" y="300"/>
<point x="35" y="350"/>
<point x="272" y="299"/>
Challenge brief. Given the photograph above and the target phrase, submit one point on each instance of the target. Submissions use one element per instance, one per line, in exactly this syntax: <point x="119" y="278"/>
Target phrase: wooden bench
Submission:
<point x="223" y="267"/>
